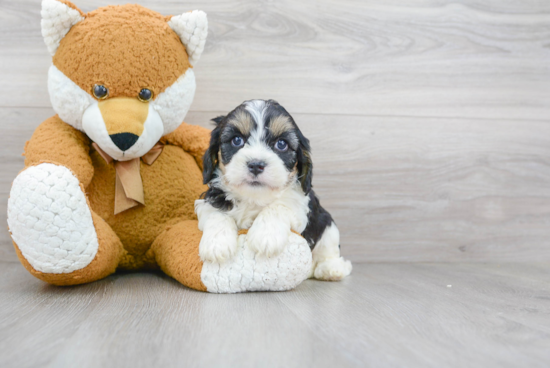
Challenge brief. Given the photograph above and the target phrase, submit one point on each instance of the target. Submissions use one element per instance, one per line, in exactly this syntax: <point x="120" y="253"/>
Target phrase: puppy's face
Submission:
<point x="258" y="147"/>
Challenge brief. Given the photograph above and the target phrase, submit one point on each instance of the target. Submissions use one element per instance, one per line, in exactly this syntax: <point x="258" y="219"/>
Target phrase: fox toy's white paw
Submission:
<point x="268" y="238"/>
<point x="50" y="221"/>
<point x="218" y="243"/>
<point x="332" y="269"/>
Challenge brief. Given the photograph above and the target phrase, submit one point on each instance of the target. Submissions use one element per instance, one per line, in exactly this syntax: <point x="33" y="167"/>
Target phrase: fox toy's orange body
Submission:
<point x="171" y="186"/>
<point x="127" y="48"/>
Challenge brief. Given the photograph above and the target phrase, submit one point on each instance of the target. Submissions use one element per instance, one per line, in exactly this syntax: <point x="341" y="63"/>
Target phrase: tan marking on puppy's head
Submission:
<point x="242" y="121"/>
<point x="279" y="125"/>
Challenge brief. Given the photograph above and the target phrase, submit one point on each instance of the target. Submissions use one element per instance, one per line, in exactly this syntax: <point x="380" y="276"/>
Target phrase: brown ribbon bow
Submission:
<point x="129" y="187"/>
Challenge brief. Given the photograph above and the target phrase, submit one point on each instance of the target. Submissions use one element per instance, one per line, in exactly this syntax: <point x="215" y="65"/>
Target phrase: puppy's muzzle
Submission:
<point x="124" y="119"/>
<point x="256" y="167"/>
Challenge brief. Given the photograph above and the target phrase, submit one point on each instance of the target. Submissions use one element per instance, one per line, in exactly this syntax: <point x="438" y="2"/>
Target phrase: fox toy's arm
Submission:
<point x="56" y="142"/>
<point x="193" y="139"/>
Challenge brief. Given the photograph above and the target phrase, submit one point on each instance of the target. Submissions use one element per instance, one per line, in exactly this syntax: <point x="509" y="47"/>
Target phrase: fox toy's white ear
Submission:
<point x="192" y="29"/>
<point x="57" y="19"/>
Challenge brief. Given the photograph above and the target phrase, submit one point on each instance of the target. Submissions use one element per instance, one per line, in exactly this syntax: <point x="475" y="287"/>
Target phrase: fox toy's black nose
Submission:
<point x="124" y="140"/>
<point x="256" y="167"/>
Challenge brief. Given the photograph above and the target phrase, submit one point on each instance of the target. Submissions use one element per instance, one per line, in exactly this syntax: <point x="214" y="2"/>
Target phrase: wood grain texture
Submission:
<point x="402" y="189"/>
<point x="390" y="315"/>
<point x="429" y="119"/>
<point x="437" y="58"/>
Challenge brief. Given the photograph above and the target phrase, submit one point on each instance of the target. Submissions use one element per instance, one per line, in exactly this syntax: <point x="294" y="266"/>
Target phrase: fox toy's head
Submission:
<point x="122" y="74"/>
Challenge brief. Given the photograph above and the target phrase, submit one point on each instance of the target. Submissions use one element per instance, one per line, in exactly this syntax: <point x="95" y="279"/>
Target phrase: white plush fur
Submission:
<point x="94" y="127"/>
<point x="327" y="263"/>
<point x="57" y="20"/>
<point x="69" y="101"/>
<point x="248" y="271"/>
<point x="50" y="221"/>
<point x="192" y="29"/>
<point x="174" y="103"/>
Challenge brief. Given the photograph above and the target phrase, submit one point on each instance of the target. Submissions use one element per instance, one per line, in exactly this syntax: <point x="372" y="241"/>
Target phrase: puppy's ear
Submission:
<point x="218" y="120"/>
<point x="304" y="164"/>
<point x="210" y="159"/>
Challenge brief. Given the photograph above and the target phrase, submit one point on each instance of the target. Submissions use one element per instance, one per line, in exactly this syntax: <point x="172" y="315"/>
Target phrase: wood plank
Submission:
<point x="401" y="189"/>
<point x="382" y="315"/>
<point x="149" y="320"/>
<point x="398" y="58"/>
<point x="429" y="323"/>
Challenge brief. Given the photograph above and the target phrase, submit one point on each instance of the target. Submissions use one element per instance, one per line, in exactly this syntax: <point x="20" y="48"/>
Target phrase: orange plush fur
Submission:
<point x="126" y="48"/>
<point x="98" y="50"/>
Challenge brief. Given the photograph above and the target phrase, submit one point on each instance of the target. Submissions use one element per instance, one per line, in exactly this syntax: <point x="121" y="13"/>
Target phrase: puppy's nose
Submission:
<point x="256" y="167"/>
<point x="124" y="140"/>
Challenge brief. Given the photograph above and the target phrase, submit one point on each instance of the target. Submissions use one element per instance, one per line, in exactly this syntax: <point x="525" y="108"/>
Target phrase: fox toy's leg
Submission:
<point x="56" y="235"/>
<point x="177" y="253"/>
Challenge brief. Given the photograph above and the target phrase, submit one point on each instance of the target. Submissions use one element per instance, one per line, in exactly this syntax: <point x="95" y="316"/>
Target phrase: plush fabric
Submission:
<point x="170" y="104"/>
<point x="108" y="256"/>
<point x="61" y="210"/>
<point x="171" y="185"/>
<point x="175" y="251"/>
<point x="69" y="101"/>
<point x="192" y="28"/>
<point x="55" y="141"/>
<point x="247" y="271"/>
<point x="115" y="44"/>
<point x="50" y="219"/>
<point x="57" y="19"/>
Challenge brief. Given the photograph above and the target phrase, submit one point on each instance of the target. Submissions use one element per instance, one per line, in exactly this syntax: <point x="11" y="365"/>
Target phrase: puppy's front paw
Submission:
<point x="268" y="238"/>
<point x="218" y="244"/>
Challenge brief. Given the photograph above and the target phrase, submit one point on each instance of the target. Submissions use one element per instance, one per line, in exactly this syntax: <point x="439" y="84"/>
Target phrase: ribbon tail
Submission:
<point x="122" y="202"/>
<point x="129" y="187"/>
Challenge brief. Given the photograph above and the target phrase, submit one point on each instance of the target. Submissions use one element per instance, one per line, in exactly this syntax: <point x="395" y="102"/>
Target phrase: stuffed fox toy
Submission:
<point x="110" y="181"/>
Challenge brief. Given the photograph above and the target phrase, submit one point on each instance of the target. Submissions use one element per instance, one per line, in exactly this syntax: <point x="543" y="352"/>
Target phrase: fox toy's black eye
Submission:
<point x="281" y="145"/>
<point x="237" y="141"/>
<point x="100" y="92"/>
<point x="145" y="95"/>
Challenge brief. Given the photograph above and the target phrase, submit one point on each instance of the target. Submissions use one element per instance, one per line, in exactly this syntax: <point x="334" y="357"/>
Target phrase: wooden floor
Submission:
<point x="384" y="315"/>
<point x="430" y="127"/>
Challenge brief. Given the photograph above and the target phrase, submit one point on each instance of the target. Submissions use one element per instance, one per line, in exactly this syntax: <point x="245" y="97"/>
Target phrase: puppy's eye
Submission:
<point x="237" y="141"/>
<point x="281" y="145"/>
<point x="100" y="92"/>
<point x="145" y="95"/>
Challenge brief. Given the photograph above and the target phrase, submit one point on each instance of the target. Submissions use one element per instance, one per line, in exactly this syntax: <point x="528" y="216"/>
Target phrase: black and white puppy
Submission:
<point x="259" y="171"/>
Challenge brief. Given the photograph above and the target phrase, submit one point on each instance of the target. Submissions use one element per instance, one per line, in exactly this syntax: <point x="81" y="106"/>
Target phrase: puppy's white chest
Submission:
<point x="244" y="214"/>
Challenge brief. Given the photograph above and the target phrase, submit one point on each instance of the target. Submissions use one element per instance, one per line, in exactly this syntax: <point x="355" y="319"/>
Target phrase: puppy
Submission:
<point x="259" y="171"/>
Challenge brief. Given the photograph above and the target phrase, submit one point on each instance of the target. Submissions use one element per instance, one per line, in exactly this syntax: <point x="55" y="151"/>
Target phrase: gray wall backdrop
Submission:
<point x="429" y="119"/>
